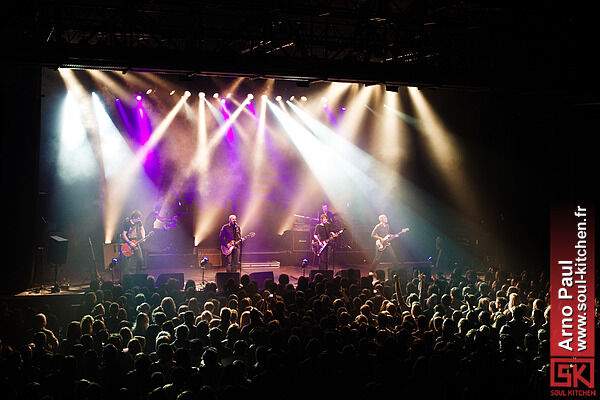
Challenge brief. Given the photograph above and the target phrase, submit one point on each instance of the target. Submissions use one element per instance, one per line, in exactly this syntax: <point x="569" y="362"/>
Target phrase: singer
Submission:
<point x="231" y="233"/>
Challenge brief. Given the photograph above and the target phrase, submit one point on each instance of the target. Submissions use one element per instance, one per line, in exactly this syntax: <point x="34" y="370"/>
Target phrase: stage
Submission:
<point x="79" y="284"/>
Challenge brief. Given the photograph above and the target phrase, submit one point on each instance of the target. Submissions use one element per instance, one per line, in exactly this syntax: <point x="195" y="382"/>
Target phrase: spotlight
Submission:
<point x="343" y="108"/>
<point x="222" y="101"/>
<point x="148" y="91"/>
<point x="187" y="93"/>
<point x="202" y="94"/>
<point x="204" y="262"/>
<point x="250" y="96"/>
<point x="216" y="96"/>
<point x="172" y="93"/>
<point x="113" y="263"/>
<point x="117" y="99"/>
<point x="278" y="98"/>
<point x="303" y="98"/>
<point x="323" y="99"/>
<point x="292" y="98"/>
<point x="138" y="97"/>
<point x="264" y="97"/>
<point x="228" y="95"/>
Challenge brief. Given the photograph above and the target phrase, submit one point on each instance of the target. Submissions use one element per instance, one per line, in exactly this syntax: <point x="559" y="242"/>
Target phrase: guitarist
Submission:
<point x="321" y="233"/>
<point x="381" y="230"/>
<point x="133" y="231"/>
<point x="231" y="232"/>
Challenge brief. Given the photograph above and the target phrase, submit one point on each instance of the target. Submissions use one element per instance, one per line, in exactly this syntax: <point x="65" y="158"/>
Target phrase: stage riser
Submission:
<point x="170" y="261"/>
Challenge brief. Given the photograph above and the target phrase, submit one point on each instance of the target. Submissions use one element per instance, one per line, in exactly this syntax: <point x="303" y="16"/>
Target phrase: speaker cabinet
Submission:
<point x="352" y="274"/>
<point x="213" y="255"/>
<point x="109" y="251"/>
<point x="163" y="278"/>
<point x="57" y="250"/>
<point x="261" y="278"/>
<point x="327" y="274"/>
<point x="133" y="280"/>
<point x="301" y="241"/>
<point x="223" y="277"/>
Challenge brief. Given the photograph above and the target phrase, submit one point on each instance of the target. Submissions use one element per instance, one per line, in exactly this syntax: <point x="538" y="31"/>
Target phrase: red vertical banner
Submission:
<point x="572" y="298"/>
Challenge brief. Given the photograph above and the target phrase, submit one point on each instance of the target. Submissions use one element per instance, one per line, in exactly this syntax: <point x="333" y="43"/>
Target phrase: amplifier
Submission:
<point x="57" y="250"/>
<point x="301" y="241"/>
<point x="213" y="255"/>
<point x="109" y="251"/>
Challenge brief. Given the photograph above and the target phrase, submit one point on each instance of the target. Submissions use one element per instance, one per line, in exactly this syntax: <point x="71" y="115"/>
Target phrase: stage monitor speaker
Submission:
<point x="352" y="274"/>
<point x="261" y="278"/>
<point x="57" y="250"/>
<point x="300" y="240"/>
<point x="223" y="277"/>
<point x="109" y="251"/>
<point x="163" y="278"/>
<point x="328" y="274"/>
<point x="132" y="280"/>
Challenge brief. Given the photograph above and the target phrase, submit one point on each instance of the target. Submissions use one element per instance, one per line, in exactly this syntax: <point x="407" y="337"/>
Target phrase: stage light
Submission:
<point x="292" y="98"/>
<point x="202" y="94"/>
<point x="323" y="99"/>
<point x="117" y="99"/>
<point x="264" y="97"/>
<point x="149" y="91"/>
<point x="250" y="96"/>
<point x="222" y="101"/>
<point x="172" y="93"/>
<point x="228" y="95"/>
<point x="216" y="96"/>
<point x="278" y="98"/>
<point x="138" y="97"/>
<point x="444" y="150"/>
<point x="187" y="93"/>
<point x="343" y="108"/>
<point x="303" y="98"/>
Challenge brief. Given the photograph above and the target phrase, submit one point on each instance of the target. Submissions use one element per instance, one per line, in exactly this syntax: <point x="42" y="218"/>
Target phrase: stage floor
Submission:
<point x="79" y="282"/>
<point x="196" y="274"/>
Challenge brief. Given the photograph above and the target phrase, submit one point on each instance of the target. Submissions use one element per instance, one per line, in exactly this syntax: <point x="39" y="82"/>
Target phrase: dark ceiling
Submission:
<point x="508" y="45"/>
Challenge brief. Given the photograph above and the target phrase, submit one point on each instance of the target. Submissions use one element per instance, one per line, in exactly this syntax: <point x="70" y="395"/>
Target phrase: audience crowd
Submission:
<point x="460" y="336"/>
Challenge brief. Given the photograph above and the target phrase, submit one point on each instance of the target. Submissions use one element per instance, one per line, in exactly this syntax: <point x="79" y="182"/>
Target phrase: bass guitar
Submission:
<point x="384" y="242"/>
<point x="226" y="249"/>
<point x="319" y="246"/>
<point x="128" y="251"/>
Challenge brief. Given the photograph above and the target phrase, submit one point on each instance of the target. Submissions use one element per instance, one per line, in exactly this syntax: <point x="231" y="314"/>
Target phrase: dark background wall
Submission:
<point x="525" y="152"/>
<point x="20" y="149"/>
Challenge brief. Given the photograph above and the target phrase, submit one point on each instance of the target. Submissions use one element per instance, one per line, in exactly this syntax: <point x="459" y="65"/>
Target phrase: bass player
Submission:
<point x="322" y="233"/>
<point x="231" y="232"/>
<point x="382" y="236"/>
<point x="131" y="234"/>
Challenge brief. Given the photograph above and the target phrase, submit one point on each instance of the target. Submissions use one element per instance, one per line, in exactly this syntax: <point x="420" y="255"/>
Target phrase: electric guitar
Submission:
<point x="319" y="246"/>
<point x="128" y="251"/>
<point x="384" y="242"/>
<point x="226" y="249"/>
